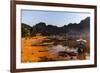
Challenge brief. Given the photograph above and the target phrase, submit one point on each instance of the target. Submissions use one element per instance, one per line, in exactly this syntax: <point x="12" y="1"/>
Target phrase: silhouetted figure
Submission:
<point x="80" y="49"/>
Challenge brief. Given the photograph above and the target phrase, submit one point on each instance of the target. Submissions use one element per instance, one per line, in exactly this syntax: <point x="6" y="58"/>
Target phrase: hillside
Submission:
<point x="49" y="30"/>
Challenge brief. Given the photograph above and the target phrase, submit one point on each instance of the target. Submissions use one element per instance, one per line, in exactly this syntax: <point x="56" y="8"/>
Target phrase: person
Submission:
<point x="80" y="50"/>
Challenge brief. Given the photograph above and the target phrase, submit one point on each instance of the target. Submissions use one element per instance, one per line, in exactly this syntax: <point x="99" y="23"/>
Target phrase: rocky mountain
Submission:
<point x="26" y="30"/>
<point x="48" y="30"/>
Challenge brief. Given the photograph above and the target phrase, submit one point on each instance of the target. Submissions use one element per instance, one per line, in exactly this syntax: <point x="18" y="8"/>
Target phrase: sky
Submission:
<point x="58" y="18"/>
